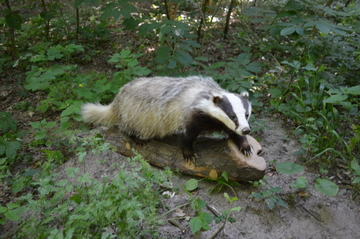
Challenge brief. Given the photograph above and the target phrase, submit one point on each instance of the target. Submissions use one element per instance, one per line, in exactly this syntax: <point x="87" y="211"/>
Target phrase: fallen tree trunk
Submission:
<point x="215" y="156"/>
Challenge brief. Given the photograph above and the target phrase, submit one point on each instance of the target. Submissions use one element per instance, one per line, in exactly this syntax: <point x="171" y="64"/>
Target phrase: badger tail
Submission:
<point x="98" y="114"/>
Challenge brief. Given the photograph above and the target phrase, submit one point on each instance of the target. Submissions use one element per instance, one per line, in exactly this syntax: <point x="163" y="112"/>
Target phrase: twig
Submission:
<point x="177" y="224"/>
<point x="217" y="231"/>
<point x="317" y="217"/>
<point x="213" y="210"/>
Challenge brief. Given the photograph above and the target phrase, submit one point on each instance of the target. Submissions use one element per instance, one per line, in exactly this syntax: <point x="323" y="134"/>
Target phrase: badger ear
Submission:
<point x="245" y="94"/>
<point x="217" y="99"/>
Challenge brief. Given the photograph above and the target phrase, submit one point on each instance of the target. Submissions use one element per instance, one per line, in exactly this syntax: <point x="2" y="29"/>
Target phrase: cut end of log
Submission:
<point x="253" y="160"/>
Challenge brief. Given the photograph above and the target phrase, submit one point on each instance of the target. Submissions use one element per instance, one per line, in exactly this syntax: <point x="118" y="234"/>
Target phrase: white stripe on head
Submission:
<point x="240" y="111"/>
<point x="235" y="106"/>
<point x="208" y="106"/>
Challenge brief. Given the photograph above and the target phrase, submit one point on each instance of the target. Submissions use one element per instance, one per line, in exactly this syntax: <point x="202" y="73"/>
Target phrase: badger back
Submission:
<point x="158" y="106"/>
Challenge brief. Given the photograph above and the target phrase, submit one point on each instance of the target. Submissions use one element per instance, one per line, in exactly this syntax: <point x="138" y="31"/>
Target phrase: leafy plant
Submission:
<point x="129" y="68"/>
<point x="10" y="141"/>
<point x="12" y="212"/>
<point x="324" y="186"/>
<point x="91" y="208"/>
<point x="289" y="168"/>
<point x="203" y="219"/>
<point x="223" y="181"/>
<point x="176" y="44"/>
<point x="226" y="213"/>
<point x="270" y="197"/>
<point x="41" y="136"/>
<point x="300" y="183"/>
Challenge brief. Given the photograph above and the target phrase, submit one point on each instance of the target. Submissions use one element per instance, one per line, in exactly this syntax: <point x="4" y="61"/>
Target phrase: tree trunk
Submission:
<point x="215" y="156"/>
<point x="227" y="23"/>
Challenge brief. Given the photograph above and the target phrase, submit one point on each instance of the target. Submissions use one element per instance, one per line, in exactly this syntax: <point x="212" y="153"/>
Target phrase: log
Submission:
<point x="215" y="156"/>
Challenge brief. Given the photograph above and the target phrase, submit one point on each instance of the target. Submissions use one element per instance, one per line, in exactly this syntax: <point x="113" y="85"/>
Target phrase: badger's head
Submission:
<point x="233" y="110"/>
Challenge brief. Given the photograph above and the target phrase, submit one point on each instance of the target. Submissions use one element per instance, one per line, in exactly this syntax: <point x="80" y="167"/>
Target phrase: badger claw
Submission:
<point x="191" y="159"/>
<point x="246" y="151"/>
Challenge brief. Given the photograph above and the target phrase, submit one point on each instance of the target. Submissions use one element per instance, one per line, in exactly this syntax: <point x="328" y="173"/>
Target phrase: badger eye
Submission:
<point x="233" y="117"/>
<point x="247" y="115"/>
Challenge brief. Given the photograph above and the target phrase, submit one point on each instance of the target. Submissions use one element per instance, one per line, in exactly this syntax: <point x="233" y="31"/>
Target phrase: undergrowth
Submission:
<point x="297" y="59"/>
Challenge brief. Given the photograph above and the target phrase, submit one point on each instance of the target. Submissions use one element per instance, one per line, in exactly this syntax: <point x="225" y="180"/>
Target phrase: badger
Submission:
<point x="156" y="107"/>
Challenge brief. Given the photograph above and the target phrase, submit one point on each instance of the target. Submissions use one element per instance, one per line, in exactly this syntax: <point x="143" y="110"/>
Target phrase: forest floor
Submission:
<point x="314" y="216"/>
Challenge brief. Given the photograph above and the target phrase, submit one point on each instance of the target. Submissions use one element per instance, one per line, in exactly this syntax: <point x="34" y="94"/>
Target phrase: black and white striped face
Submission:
<point x="232" y="110"/>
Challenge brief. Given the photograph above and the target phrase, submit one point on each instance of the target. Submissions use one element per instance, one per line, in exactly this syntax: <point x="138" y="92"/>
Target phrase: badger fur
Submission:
<point x="157" y="107"/>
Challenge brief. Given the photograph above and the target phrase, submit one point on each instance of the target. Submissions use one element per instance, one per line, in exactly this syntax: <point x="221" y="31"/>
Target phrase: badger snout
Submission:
<point x="246" y="130"/>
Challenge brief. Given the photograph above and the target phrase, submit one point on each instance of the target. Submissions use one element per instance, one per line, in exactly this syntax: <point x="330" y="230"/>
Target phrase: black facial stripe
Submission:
<point x="224" y="104"/>
<point x="245" y="103"/>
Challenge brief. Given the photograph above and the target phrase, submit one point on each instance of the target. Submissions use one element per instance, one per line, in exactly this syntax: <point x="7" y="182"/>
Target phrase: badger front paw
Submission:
<point x="242" y="143"/>
<point x="246" y="149"/>
<point x="189" y="156"/>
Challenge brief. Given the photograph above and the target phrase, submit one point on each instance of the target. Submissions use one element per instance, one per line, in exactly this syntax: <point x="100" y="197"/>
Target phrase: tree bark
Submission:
<point x="227" y="23"/>
<point x="215" y="156"/>
<point x="11" y="34"/>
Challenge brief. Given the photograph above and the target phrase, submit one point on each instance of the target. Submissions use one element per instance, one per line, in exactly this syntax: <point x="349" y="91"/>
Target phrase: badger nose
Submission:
<point x="246" y="130"/>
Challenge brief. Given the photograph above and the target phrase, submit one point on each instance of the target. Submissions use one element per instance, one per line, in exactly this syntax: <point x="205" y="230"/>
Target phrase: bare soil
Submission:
<point x="315" y="216"/>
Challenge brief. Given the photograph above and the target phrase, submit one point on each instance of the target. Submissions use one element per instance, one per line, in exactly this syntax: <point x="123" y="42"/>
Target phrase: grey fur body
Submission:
<point x="161" y="106"/>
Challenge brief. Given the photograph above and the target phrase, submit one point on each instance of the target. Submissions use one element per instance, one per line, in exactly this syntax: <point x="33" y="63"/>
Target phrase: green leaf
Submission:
<point x="225" y="176"/>
<point x="71" y="172"/>
<point x="3" y="209"/>
<point x="301" y="182"/>
<point x="275" y="189"/>
<point x="355" y="166"/>
<point x="13" y="215"/>
<point x="326" y="187"/>
<point x="30" y="172"/>
<point x="200" y="203"/>
<point x="300" y="31"/>
<point x="235" y="209"/>
<point x="131" y="23"/>
<point x="206" y="218"/>
<point x="3" y="221"/>
<point x="183" y="57"/>
<point x="127" y="10"/>
<point x="78" y="3"/>
<point x="11" y="148"/>
<point x="191" y="184"/>
<point x="76" y="198"/>
<point x="54" y="53"/>
<point x="257" y="195"/>
<point x="14" y="21"/>
<point x="195" y="224"/>
<point x="356" y="180"/>
<point x="355" y="90"/>
<point x="287" y="31"/>
<point x="163" y="54"/>
<point x="172" y="64"/>
<point x="47" y="15"/>
<point x="335" y="99"/>
<point x="12" y="205"/>
<point x="289" y="168"/>
<point x="253" y="67"/>
<point x="202" y="58"/>
<point x="323" y="27"/>
<point x="275" y="92"/>
<point x="244" y="58"/>
<point x="217" y="65"/>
